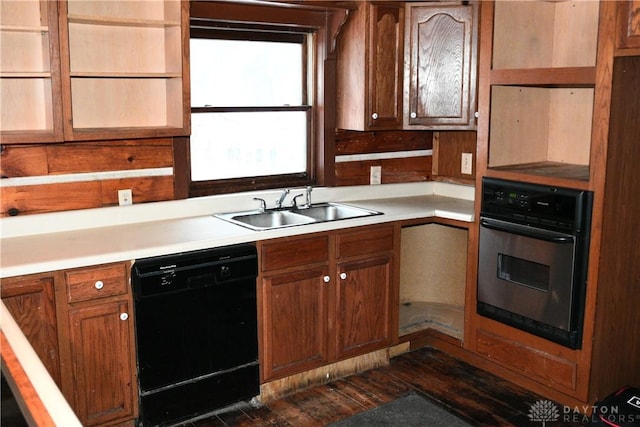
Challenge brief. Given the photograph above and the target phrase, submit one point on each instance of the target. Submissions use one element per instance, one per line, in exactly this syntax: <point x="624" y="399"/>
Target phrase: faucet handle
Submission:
<point x="308" y="196"/>
<point x="263" y="204"/>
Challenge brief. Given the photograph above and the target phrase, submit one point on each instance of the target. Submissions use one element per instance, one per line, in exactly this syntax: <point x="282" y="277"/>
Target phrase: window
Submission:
<point x="251" y="109"/>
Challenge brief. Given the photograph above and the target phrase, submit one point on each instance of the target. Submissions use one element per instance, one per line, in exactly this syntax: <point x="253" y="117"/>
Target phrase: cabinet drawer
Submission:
<point x="364" y="241"/>
<point x="292" y="253"/>
<point x="96" y="282"/>
<point x="534" y="363"/>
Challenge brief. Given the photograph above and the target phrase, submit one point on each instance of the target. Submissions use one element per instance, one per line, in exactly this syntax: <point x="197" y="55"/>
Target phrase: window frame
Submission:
<point x="327" y="22"/>
<point x="273" y="34"/>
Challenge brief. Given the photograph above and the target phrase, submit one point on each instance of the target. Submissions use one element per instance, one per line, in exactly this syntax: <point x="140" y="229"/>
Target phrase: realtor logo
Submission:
<point x="544" y="411"/>
<point x="634" y="401"/>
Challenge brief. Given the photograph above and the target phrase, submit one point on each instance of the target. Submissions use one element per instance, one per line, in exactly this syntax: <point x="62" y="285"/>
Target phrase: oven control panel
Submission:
<point x="534" y="204"/>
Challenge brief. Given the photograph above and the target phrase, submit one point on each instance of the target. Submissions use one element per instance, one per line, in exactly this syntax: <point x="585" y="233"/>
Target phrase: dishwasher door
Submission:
<point x="196" y="332"/>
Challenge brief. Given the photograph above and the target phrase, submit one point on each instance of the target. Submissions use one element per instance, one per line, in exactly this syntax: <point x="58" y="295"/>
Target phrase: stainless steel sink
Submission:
<point x="333" y="212"/>
<point x="288" y="217"/>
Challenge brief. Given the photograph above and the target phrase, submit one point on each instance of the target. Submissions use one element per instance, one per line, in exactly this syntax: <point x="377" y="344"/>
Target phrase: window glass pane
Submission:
<point x="235" y="145"/>
<point x="231" y="73"/>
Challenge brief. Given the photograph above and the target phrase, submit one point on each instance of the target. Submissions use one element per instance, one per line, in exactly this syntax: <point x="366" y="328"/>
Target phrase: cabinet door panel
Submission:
<point x="628" y="24"/>
<point x="364" y="306"/>
<point x="294" y="327"/>
<point x="385" y="67"/>
<point x="100" y="341"/>
<point x="441" y="58"/>
<point x="31" y="302"/>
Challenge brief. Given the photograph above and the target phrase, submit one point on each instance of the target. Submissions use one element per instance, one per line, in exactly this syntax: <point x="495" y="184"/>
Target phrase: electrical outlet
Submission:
<point x="375" y="176"/>
<point x="125" y="197"/>
<point x="467" y="164"/>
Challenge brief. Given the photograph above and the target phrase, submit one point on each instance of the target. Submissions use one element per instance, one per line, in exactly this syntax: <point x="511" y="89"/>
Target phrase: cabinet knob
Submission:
<point x="343" y="276"/>
<point x="326" y="279"/>
<point x="124" y="316"/>
<point x="99" y="284"/>
<point x="374" y="116"/>
<point x="414" y="115"/>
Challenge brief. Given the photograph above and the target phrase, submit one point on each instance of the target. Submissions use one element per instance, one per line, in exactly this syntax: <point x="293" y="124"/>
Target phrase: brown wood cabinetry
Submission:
<point x="408" y="66"/>
<point x="325" y="297"/>
<point x="628" y="24"/>
<point x="364" y="291"/>
<point x="440" y="65"/>
<point x="80" y="324"/>
<point x="109" y="92"/>
<point x="31" y="106"/>
<point x="97" y="344"/>
<point x="541" y="82"/>
<point x="369" y="66"/>
<point x="563" y="112"/>
<point x="31" y="302"/>
<point x="67" y="71"/>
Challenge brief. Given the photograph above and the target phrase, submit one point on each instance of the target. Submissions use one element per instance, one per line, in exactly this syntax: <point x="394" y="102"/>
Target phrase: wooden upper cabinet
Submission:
<point x="440" y="65"/>
<point x="628" y="24"/>
<point x="370" y="56"/>
<point x="31" y="108"/>
<point x="124" y="68"/>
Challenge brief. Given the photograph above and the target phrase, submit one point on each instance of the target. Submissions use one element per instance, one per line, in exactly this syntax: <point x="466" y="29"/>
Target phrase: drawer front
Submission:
<point x="293" y="253"/>
<point x="96" y="282"/>
<point x="535" y="364"/>
<point x="365" y="241"/>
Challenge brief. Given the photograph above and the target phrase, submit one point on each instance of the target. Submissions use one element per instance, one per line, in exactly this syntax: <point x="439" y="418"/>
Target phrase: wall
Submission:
<point x="41" y="178"/>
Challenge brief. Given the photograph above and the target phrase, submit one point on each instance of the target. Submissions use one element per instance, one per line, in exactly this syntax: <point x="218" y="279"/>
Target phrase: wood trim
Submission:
<point x="30" y="403"/>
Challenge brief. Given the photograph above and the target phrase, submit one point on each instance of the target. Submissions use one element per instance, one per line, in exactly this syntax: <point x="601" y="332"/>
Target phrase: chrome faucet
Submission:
<point x="263" y="204"/>
<point x="281" y="198"/>
<point x="307" y="201"/>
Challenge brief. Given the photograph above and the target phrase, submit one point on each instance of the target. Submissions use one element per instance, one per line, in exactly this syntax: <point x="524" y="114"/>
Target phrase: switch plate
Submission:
<point x="375" y="175"/>
<point x="125" y="197"/>
<point x="467" y="164"/>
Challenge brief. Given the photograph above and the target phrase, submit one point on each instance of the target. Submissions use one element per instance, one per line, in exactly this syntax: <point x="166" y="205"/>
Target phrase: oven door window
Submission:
<point x="523" y="272"/>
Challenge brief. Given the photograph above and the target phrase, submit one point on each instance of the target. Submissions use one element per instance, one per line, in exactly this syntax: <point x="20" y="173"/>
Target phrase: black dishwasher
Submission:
<point x="196" y="332"/>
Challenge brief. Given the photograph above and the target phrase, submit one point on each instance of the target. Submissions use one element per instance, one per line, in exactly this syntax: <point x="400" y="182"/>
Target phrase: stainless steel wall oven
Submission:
<point x="534" y="247"/>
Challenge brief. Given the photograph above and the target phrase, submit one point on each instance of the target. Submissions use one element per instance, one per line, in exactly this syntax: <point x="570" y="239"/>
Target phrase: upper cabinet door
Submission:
<point x="440" y="65"/>
<point x="384" y="95"/>
<point x="628" y="24"/>
<point x="31" y="110"/>
<point x="369" y="68"/>
<point x="124" y="68"/>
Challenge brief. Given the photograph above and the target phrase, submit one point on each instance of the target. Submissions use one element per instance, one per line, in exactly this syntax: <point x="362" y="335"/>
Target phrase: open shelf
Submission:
<point x="432" y="279"/>
<point x="543" y="81"/>
<point x="545" y="34"/>
<point x="539" y="124"/>
<point x="126" y="67"/>
<point x="121" y="22"/>
<point x="420" y="315"/>
<point x="27" y="80"/>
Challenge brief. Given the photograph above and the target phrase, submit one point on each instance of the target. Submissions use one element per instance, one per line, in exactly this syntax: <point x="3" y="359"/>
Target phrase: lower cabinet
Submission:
<point x="325" y="297"/>
<point x="31" y="302"/>
<point x="97" y="344"/>
<point x="79" y="323"/>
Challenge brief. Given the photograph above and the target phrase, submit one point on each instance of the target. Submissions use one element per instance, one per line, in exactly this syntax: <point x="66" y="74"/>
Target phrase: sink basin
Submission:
<point x="270" y="219"/>
<point x="333" y="212"/>
<point x="288" y="217"/>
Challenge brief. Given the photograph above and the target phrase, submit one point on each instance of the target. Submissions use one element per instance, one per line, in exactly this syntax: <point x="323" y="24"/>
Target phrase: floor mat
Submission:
<point x="411" y="410"/>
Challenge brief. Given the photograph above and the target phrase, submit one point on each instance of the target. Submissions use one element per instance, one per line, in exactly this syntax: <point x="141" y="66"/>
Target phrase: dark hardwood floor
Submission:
<point x="476" y="396"/>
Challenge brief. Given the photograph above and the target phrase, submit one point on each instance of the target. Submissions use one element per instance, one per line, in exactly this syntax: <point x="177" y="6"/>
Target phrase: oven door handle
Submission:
<point x="527" y="231"/>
